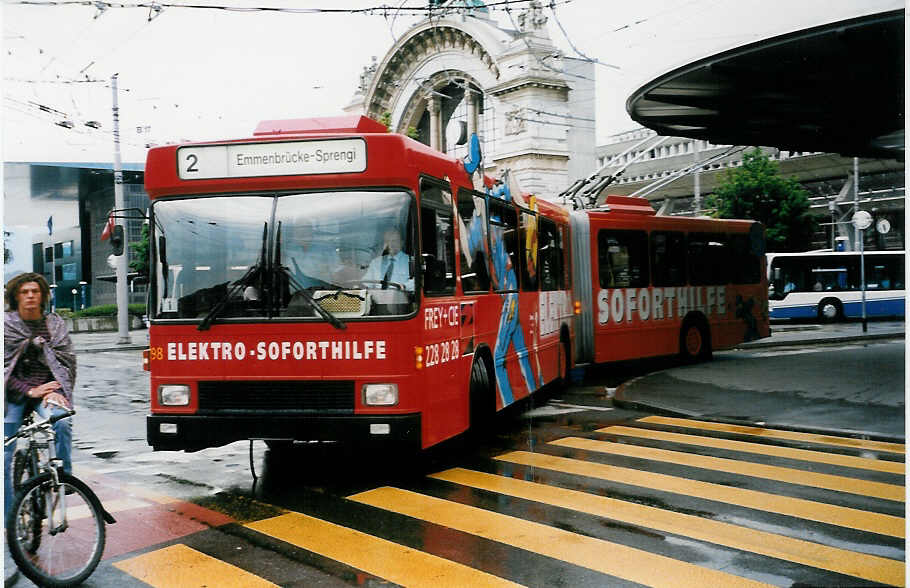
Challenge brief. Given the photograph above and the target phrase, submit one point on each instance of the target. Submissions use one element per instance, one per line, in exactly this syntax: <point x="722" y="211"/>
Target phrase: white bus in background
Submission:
<point x="826" y="285"/>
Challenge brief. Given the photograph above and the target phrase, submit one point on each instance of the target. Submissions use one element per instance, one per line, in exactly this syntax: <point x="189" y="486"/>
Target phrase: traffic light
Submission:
<point x="117" y="240"/>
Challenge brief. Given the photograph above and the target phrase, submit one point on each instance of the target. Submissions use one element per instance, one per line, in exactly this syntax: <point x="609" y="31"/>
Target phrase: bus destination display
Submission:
<point x="244" y="160"/>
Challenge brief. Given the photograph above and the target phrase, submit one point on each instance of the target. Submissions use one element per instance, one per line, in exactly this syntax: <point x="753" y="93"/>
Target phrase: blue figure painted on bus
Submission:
<point x="510" y="333"/>
<point x="504" y="278"/>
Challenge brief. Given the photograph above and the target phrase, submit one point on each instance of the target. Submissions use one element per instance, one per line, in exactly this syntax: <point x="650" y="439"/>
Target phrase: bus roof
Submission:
<point x="637" y="210"/>
<point x="393" y="160"/>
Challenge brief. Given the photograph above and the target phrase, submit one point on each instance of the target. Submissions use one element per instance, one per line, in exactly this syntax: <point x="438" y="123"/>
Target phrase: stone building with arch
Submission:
<point x="459" y="73"/>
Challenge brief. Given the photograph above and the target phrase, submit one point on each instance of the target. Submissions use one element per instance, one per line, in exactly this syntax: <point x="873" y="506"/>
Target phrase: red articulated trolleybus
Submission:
<point x="650" y="285"/>
<point x="328" y="280"/>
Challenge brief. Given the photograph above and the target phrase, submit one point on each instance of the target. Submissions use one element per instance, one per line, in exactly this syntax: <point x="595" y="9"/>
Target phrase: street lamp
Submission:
<point x="862" y="220"/>
<point x="82" y="285"/>
<point x="73" y="292"/>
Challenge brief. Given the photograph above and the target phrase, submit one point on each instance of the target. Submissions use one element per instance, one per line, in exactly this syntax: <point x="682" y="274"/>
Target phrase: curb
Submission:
<point x="817" y="341"/>
<point x="618" y="399"/>
<point x="120" y="348"/>
<point x="653" y="408"/>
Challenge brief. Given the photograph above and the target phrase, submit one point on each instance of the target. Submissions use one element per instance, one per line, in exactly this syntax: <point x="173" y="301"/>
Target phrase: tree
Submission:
<point x="140" y="249"/>
<point x="757" y="191"/>
<point x="386" y="119"/>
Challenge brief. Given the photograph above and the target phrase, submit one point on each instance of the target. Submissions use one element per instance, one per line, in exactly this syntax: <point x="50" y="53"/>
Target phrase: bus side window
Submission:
<point x="884" y="272"/>
<point x="550" y="257"/>
<point x="668" y="258"/>
<point x="746" y="266"/>
<point x="503" y="246"/>
<point x="472" y="234"/>
<point x="527" y="241"/>
<point x="709" y="259"/>
<point x="622" y="259"/>
<point x="438" y="240"/>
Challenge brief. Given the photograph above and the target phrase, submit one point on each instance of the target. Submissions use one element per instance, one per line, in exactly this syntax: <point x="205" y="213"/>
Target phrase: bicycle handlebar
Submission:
<point x="43" y="424"/>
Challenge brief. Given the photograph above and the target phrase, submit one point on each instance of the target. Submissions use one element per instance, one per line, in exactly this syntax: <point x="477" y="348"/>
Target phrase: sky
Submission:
<point x="208" y="74"/>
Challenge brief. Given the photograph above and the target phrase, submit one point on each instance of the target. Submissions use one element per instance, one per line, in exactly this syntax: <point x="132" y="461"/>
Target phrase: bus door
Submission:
<point x="528" y="239"/>
<point x="554" y="305"/>
<point x="474" y="268"/>
<point x="444" y="412"/>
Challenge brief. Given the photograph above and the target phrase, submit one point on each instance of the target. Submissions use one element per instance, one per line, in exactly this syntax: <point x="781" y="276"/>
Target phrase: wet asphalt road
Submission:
<point x="568" y="491"/>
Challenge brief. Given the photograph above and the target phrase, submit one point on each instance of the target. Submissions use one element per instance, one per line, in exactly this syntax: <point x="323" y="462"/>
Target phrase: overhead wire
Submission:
<point x="552" y="7"/>
<point x="428" y="11"/>
<point x="382" y="9"/>
<point x="534" y="54"/>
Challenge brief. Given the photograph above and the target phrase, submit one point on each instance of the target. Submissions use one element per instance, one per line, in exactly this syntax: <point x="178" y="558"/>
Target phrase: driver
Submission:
<point x="393" y="266"/>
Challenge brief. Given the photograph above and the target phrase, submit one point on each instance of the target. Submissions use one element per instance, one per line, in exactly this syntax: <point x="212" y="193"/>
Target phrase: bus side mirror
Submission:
<point x="162" y="250"/>
<point x="117" y="240"/>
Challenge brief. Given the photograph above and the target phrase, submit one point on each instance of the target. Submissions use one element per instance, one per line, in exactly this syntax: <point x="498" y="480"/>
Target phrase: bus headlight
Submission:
<point x="173" y="395"/>
<point x="380" y="394"/>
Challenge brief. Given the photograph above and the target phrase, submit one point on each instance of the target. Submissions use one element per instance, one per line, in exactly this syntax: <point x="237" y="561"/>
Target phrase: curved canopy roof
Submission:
<point x="836" y="88"/>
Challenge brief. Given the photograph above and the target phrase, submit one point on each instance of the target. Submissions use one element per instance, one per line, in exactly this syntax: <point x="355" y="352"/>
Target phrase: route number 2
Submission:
<point x="193" y="160"/>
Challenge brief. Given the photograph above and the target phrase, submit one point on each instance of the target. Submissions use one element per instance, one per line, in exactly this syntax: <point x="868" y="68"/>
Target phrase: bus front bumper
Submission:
<point x="195" y="432"/>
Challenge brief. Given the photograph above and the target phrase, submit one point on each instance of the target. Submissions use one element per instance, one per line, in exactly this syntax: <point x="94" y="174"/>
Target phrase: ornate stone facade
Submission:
<point x="509" y="86"/>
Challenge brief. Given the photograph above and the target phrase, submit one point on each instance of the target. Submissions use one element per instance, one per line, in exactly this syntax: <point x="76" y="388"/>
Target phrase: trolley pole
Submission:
<point x="123" y="331"/>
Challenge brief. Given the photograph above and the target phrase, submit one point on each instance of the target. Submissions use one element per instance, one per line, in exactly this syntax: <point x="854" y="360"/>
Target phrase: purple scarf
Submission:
<point x="58" y="352"/>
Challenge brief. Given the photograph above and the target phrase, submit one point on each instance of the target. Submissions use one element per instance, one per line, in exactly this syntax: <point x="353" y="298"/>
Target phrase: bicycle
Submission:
<point x="56" y="524"/>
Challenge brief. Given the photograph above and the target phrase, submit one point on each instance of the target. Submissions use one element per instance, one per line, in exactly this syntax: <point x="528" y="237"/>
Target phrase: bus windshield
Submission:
<point x="268" y="256"/>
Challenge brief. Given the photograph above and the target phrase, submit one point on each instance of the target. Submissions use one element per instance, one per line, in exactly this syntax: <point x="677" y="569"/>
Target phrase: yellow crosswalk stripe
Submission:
<point x="891" y="467"/>
<point x="757" y="470"/>
<point x="179" y="566"/>
<point x="778" y="434"/>
<point x="795" y="507"/>
<point x="596" y="554"/>
<point x="374" y="555"/>
<point x="842" y="561"/>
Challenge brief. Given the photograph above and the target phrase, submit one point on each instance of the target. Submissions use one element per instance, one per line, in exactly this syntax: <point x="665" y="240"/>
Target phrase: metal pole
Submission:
<point x="123" y="332"/>
<point x="859" y="235"/>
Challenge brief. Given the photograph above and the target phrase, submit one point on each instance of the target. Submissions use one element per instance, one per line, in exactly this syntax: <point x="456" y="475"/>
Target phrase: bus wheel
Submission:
<point x="694" y="341"/>
<point x="830" y="310"/>
<point x="482" y="402"/>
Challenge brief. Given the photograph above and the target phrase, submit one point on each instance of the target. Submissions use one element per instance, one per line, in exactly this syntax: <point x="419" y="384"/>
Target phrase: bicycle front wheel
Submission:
<point x="71" y="529"/>
<point x="25" y="466"/>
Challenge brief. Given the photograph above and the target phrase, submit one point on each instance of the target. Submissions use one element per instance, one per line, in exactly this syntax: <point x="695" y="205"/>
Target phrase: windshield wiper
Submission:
<point x="328" y="316"/>
<point x="245" y="279"/>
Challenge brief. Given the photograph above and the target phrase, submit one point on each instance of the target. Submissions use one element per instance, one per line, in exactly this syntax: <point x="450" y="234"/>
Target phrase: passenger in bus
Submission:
<point x="393" y="266"/>
<point x="349" y="270"/>
<point x="312" y="263"/>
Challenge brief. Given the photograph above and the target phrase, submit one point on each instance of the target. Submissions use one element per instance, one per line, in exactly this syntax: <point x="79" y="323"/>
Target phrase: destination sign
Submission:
<point x="245" y="160"/>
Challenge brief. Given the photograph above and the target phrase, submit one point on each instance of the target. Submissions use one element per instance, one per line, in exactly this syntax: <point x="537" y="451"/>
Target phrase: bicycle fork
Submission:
<point x="55" y="502"/>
